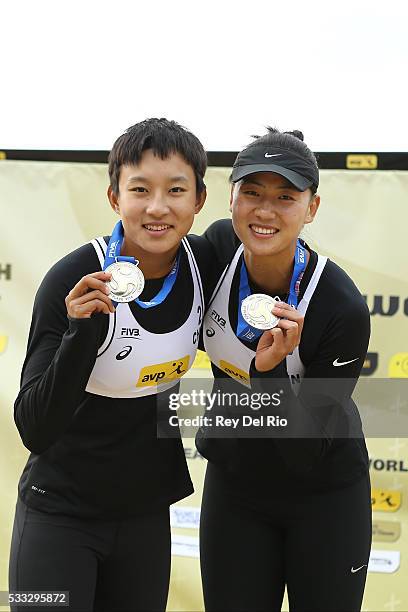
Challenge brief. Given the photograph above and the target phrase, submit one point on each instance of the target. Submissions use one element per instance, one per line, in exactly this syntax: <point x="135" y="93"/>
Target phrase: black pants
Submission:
<point x="105" y="565"/>
<point x="318" y="546"/>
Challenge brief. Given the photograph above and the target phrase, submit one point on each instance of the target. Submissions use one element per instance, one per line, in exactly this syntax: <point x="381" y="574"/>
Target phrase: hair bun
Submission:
<point x="296" y="134"/>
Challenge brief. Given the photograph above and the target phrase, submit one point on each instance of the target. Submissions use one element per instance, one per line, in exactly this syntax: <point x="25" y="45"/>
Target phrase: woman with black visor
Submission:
<point x="284" y="506"/>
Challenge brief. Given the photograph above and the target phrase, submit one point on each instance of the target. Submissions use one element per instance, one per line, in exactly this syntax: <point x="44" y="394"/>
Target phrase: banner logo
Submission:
<point x="202" y="361"/>
<point x="163" y="372"/>
<point x="3" y="343"/>
<point x="383" y="500"/>
<point x="384" y="561"/>
<point x="186" y="517"/>
<point x="5" y="271"/>
<point x="192" y="453"/>
<point x="361" y="162"/>
<point x="370" y="364"/>
<point x="398" y="366"/>
<point x="386" y="531"/>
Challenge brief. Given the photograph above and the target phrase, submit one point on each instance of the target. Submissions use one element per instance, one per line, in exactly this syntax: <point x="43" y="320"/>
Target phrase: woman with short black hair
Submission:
<point x="92" y="515"/>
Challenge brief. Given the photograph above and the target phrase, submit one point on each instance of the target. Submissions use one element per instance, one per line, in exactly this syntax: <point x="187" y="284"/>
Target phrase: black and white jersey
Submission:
<point x="333" y="346"/>
<point x="221" y="343"/>
<point x="97" y="454"/>
<point x="150" y="357"/>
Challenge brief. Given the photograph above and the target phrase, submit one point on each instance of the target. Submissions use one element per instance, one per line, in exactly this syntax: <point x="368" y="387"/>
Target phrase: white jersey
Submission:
<point x="133" y="362"/>
<point x="221" y="343"/>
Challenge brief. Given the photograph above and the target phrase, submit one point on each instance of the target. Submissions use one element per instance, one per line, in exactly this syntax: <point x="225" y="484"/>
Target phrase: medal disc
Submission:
<point x="256" y="310"/>
<point x="126" y="283"/>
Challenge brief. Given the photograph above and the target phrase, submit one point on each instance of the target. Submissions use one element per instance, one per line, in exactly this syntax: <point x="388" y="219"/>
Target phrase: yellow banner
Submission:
<point x="361" y="225"/>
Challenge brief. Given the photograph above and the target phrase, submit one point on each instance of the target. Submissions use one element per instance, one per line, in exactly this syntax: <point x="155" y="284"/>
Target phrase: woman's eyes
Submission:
<point x="177" y="190"/>
<point x="144" y="190"/>
<point x="256" y="194"/>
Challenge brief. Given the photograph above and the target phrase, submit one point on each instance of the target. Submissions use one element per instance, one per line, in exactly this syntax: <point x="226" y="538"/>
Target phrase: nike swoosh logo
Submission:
<point x="272" y="155"/>
<point x="353" y="571"/>
<point x="336" y="362"/>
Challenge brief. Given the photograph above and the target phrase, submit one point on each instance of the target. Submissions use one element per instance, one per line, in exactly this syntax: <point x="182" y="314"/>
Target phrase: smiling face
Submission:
<point x="157" y="202"/>
<point x="268" y="213"/>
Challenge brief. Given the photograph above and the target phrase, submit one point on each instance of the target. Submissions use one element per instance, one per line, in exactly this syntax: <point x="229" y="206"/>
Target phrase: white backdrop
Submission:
<point x="75" y="74"/>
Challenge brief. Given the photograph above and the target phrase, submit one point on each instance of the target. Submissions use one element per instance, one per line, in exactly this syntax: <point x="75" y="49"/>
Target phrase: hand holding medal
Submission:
<point x="278" y="342"/>
<point x="88" y="296"/>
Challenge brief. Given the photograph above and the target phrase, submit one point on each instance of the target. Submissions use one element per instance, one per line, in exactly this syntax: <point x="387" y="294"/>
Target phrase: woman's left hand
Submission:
<point x="275" y="344"/>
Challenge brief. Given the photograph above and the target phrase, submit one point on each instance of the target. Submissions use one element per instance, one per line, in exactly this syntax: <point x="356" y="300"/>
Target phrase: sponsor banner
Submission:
<point x="370" y="364"/>
<point x="384" y="561"/>
<point x="3" y="343"/>
<point x="202" y="361"/>
<point x="185" y="517"/>
<point x="361" y="162"/>
<point x="365" y="200"/>
<point x="385" y="501"/>
<point x="398" y="366"/>
<point x="192" y="453"/>
<point x="185" y="546"/>
<point x="386" y="531"/>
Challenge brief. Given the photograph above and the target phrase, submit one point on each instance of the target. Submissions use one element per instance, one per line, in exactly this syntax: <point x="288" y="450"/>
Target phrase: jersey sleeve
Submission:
<point x="323" y="409"/>
<point x="205" y="255"/>
<point x="224" y="241"/>
<point x="60" y="356"/>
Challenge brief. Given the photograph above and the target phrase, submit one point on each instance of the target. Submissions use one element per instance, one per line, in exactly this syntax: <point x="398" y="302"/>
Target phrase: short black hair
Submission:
<point x="164" y="138"/>
<point x="293" y="141"/>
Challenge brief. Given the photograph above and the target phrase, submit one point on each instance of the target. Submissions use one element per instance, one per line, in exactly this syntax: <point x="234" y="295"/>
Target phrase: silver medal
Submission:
<point x="256" y="310"/>
<point x="126" y="283"/>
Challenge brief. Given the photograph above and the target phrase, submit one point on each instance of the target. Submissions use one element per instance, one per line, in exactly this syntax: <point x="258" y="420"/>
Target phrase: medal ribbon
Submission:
<point x="246" y="331"/>
<point x="113" y="255"/>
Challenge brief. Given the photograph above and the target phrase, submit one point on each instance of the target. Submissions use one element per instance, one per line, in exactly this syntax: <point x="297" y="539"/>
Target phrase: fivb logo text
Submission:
<point x="129" y="332"/>
<point x="218" y="319"/>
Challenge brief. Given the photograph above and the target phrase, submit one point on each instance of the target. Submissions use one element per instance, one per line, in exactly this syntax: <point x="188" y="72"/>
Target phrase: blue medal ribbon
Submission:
<point x="113" y="255"/>
<point x="246" y="331"/>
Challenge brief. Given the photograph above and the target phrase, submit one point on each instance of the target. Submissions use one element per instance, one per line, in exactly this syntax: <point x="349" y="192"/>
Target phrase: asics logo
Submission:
<point x="272" y="154"/>
<point x="124" y="353"/>
<point x="336" y="362"/>
<point x="353" y="571"/>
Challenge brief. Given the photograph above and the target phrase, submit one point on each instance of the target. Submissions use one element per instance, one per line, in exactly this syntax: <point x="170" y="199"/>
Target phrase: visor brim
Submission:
<point x="298" y="181"/>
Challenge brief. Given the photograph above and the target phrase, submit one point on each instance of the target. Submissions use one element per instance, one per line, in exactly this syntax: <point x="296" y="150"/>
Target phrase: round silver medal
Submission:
<point x="126" y="283"/>
<point x="256" y="310"/>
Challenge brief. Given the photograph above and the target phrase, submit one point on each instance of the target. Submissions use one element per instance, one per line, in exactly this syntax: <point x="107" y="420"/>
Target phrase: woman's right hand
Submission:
<point x="89" y="295"/>
<point x="276" y="344"/>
